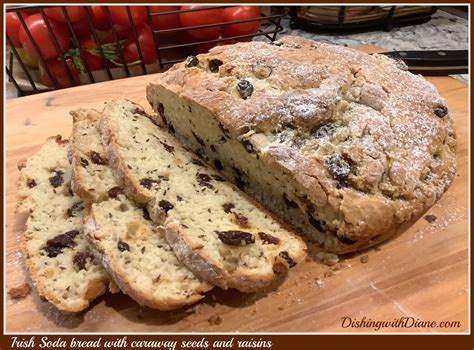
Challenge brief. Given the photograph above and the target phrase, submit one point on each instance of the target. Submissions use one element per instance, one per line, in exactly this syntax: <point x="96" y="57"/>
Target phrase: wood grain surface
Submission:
<point x="422" y="273"/>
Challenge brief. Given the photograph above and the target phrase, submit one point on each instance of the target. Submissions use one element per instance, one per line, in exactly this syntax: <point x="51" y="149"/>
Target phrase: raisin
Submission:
<point x="325" y="130"/>
<point x="198" y="139"/>
<point x="234" y="237"/>
<point x="245" y="89"/>
<point x="338" y="167"/>
<point x="165" y="205"/>
<point x="238" y="178"/>
<point x="55" y="245"/>
<point x="228" y="207"/>
<point x="80" y="260"/>
<point x="289" y="202"/>
<point x="148" y="183"/>
<point x="122" y="246"/>
<point x="75" y="209"/>
<point x="345" y="240"/>
<point x="31" y="183"/>
<point x="248" y="146"/>
<point x="218" y="178"/>
<point x="441" y="111"/>
<point x="284" y="254"/>
<point x="268" y="239"/>
<point x="167" y="147"/>
<point x="197" y="162"/>
<point x="316" y="223"/>
<point x="139" y="111"/>
<point x="56" y="180"/>
<point x="204" y="180"/>
<point x="97" y="158"/>
<point x="191" y="61"/>
<point x="213" y="148"/>
<point x="160" y="108"/>
<point x="84" y="162"/>
<point x="146" y="215"/>
<point x="214" y="65"/>
<point x="115" y="191"/>
<point x="241" y="220"/>
<point x="218" y="165"/>
<point x="430" y="218"/>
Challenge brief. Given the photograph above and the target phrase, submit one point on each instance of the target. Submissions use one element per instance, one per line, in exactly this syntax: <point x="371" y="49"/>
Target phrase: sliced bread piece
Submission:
<point x="136" y="254"/>
<point x="58" y="256"/>
<point x="132" y="249"/>
<point x="91" y="176"/>
<point x="216" y="230"/>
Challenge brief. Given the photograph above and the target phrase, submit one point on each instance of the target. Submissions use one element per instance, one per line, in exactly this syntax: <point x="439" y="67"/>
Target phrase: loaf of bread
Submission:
<point x="213" y="228"/>
<point x="132" y="249"/>
<point x="61" y="262"/>
<point x="346" y="146"/>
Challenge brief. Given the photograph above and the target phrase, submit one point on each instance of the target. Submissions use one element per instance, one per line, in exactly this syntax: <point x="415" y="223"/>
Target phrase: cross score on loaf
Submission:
<point x="346" y="146"/>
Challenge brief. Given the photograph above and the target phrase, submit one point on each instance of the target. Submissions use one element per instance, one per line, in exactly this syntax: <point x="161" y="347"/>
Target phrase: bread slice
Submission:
<point x="91" y="176"/>
<point x="138" y="257"/>
<point x="133" y="250"/>
<point x="61" y="263"/>
<point x="217" y="231"/>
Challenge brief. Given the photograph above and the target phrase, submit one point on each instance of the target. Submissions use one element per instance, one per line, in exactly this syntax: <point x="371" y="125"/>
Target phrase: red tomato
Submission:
<point x="122" y="32"/>
<point x="93" y="61"/>
<point x="82" y="29"/>
<point x="240" y="13"/>
<point x="119" y="15"/>
<point x="165" y="21"/>
<point x="57" y="70"/>
<point x="199" y="18"/>
<point x="99" y="18"/>
<point x="13" y="26"/>
<point x="37" y="27"/>
<point x="75" y="13"/>
<point x="147" y="46"/>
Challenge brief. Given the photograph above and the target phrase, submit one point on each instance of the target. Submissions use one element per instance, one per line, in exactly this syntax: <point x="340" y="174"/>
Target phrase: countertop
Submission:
<point x="445" y="31"/>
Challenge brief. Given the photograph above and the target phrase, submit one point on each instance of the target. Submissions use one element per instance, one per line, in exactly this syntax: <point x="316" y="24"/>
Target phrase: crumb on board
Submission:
<point x="364" y="259"/>
<point x="430" y="218"/>
<point x="19" y="292"/>
<point x="328" y="258"/>
<point x="215" y="319"/>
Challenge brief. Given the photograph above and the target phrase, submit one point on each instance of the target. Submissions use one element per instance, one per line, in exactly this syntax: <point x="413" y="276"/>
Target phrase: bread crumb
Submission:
<point x="377" y="248"/>
<point x="430" y="218"/>
<point x="329" y="273"/>
<point x="281" y="307"/>
<point x="215" y="319"/>
<point x="364" y="259"/>
<point x="19" y="292"/>
<point x="319" y="282"/>
<point x="328" y="258"/>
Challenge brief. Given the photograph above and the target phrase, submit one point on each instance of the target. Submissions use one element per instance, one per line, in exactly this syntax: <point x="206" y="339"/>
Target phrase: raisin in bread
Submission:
<point x="132" y="249"/>
<point x="346" y="146"/>
<point x="212" y="227"/>
<point x="59" y="258"/>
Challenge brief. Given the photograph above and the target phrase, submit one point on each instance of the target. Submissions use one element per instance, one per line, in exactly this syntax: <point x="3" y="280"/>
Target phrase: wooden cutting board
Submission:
<point x="422" y="273"/>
